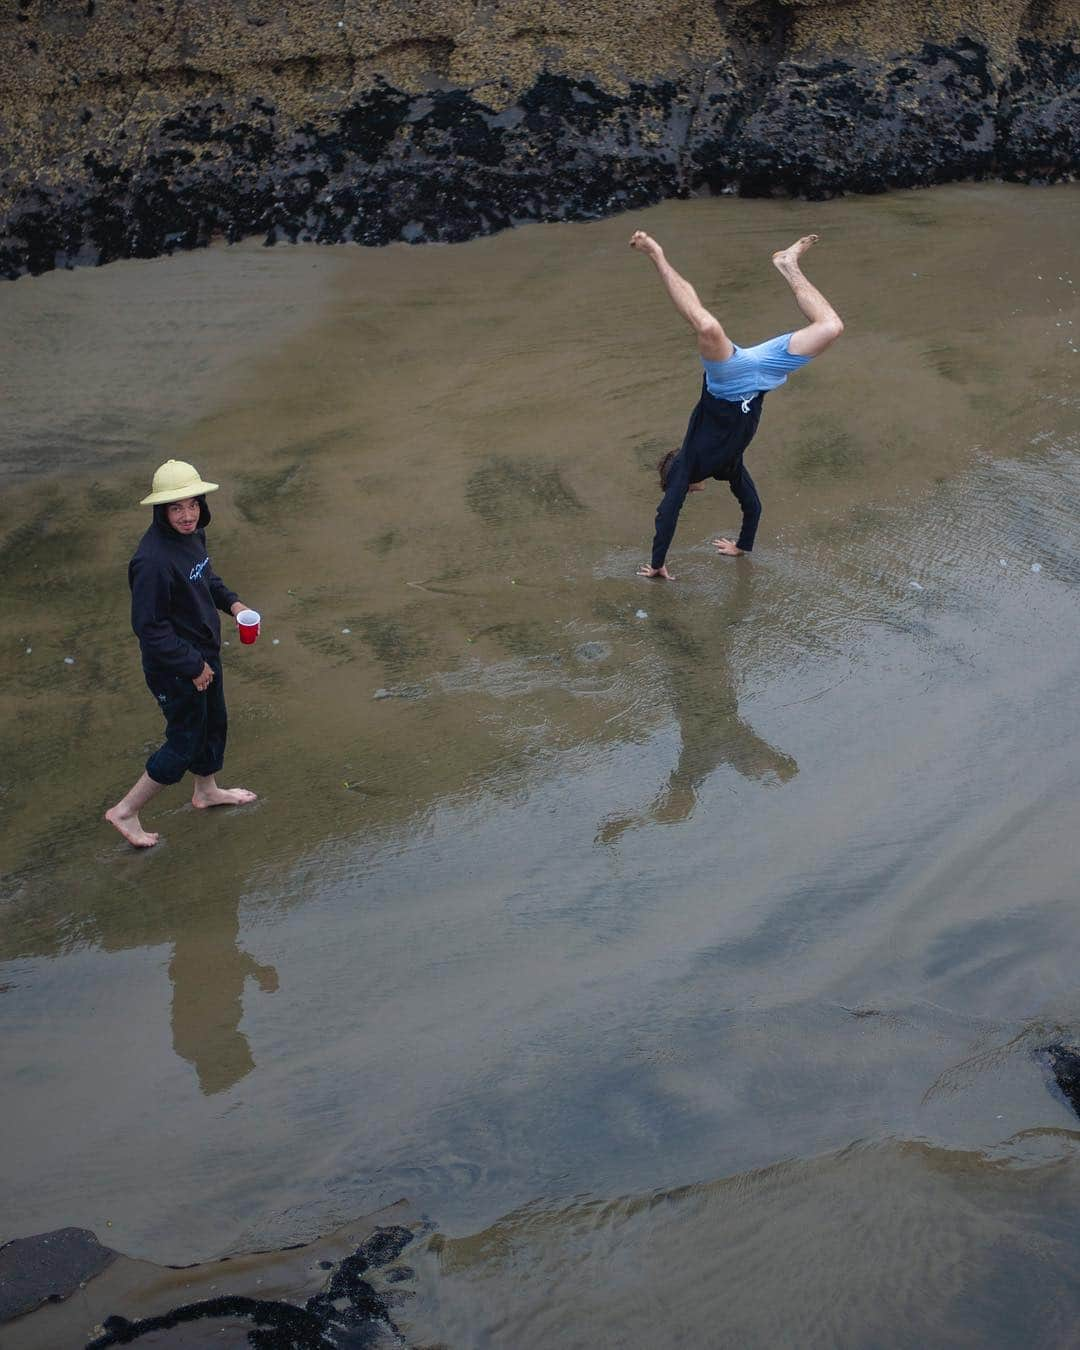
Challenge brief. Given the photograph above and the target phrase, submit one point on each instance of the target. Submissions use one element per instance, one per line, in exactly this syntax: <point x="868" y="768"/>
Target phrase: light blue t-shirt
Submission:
<point x="752" y="369"/>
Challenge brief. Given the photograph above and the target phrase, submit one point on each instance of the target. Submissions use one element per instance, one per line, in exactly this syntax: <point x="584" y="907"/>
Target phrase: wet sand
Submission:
<point x="565" y="923"/>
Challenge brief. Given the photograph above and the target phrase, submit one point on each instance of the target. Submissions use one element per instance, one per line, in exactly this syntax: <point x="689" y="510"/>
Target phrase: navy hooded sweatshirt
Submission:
<point x="175" y="597"/>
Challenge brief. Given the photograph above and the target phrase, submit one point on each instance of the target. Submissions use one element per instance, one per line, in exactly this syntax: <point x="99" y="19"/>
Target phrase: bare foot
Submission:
<point x="130" y="828"/>
<point x="645" y="243"/>
<point x="728" y="548"/>
<point x="789" y="257"/>
<point x="217" y="796"/>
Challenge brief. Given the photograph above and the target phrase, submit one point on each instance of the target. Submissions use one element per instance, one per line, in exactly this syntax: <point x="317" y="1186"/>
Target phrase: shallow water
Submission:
<point x="689" y="970"/>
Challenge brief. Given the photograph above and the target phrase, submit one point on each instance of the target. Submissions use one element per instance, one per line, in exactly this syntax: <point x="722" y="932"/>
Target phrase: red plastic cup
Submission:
<point x="248" y="622"/>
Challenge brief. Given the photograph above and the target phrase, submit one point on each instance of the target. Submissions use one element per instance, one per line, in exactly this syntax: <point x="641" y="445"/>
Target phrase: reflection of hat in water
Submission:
<point x="174" y="482"/>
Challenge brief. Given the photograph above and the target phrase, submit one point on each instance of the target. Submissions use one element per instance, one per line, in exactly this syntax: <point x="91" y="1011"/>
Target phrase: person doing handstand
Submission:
<point x="733" y="389"/>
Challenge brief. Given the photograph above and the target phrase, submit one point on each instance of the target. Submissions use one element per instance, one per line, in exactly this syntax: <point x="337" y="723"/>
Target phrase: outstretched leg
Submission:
<point x="713" y="343"/>
<point x="825" y="324"/>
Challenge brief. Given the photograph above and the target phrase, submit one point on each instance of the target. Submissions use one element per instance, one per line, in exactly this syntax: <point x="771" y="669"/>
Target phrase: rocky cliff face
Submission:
<point x="132" y="127"/>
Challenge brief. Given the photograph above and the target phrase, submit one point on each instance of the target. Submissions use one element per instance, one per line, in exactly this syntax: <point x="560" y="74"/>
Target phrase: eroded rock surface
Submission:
<point x="132" y="128"/>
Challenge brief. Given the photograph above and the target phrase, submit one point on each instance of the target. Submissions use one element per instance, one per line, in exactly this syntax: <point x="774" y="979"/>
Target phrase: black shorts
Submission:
<point x="718" y="433"/>
<point x="196" y="725"/>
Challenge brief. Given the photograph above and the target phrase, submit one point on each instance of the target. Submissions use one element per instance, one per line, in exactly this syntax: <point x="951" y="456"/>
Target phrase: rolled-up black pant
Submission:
<point x="196" y="725"/>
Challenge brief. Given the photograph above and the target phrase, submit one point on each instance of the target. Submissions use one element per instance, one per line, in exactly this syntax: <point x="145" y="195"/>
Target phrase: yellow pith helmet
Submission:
<point x="174" y="482"/>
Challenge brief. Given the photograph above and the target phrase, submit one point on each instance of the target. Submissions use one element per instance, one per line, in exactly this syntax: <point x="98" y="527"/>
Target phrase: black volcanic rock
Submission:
<point x="1064" y="1061"/>
<point x="298" y="127"/>
<point x="47" y="1268"/>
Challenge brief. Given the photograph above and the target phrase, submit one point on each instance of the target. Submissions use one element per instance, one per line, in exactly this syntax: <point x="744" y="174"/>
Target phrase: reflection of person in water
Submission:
<point x="208" y="970"/>
<point x="698" y="677"/>
<point x="734" y="385"/>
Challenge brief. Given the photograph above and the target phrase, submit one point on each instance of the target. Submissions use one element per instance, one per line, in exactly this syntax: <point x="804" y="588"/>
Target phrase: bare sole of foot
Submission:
<point x="224" y="797"/>
<point x="132" y="831"/>
<point x="785" y="257"/>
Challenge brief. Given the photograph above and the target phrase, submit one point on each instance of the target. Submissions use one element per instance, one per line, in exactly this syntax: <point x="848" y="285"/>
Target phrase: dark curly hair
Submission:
<point x="663" y="466"/>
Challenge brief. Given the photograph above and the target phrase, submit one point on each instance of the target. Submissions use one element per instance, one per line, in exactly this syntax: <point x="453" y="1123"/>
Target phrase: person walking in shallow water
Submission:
<point x="175" y="598"/>
<point x="734" y="385"/>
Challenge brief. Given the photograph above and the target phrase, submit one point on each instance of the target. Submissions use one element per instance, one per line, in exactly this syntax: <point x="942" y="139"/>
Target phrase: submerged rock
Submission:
<point x="1064" y="1063"/>
<point x="131" y="134"/>
<point x="592" y="651"/>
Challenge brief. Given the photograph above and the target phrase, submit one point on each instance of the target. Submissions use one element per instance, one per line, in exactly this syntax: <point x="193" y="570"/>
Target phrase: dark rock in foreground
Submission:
<point x="339" y="1290"/>
<point x="48" y="1268"/>
<point x="347" y="1313"/>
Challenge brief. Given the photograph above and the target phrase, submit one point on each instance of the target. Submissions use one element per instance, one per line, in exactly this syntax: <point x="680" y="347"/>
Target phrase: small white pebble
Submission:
<point x="69" y="660"/>
<point x="915" y="586"/>
<point x="225" y="643"/>
<point x="275" y="641"/>
<point x="641" y="614"/>
<point x="1002" y="562"/>
<point x="29" y="650"/>
<point x="1036" y="567"/>
<point x="346" y="630"/>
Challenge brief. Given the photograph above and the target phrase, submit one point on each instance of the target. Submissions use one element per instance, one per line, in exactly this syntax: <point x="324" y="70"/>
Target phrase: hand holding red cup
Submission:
<point x="247" y="621"/>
